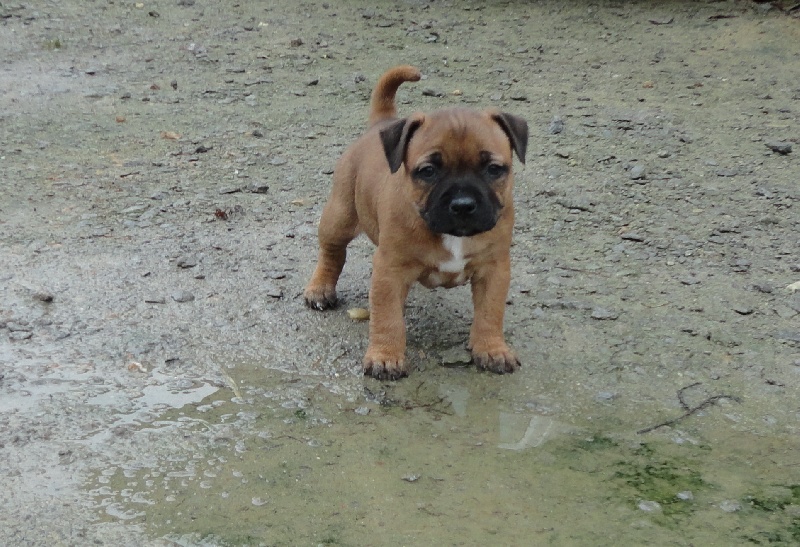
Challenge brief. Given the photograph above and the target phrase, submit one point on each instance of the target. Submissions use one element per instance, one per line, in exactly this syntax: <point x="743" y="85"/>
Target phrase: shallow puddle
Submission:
<point x="452" y="457"/>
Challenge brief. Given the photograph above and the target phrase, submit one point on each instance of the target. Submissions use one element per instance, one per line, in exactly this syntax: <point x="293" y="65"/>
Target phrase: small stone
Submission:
<point x="455" y="357"/>
<point x="638" y="172"/>
<point x="411" y="478"/>
<point x="556" y="125"/>
<point x="602" y="314"/>
<point x="13" y="326"/>
<point x="182" y="296"/>
<point x="257" y="188"/>
<point x="740" y="265"/>
<point x="20" y="335"/>
<point x="743" y="310"/>
<point x="519" y="97"/>
<point x="274" y="292"/>
<point x="358" y="314"/>
<point x="155" y="300"/>
<point x="730" y="506"/>
<point x="428" y="92"/>
<point x="362" y="410"/>
<point x="229" y="190"/>
<point x="632" y="236"/>
<point x="605" y="396"/>
<point x="649" y="506"/>
<point x="781" y="147"/>
<point x="726" y="172"/>
<point x="686" y="495"/>
<point x="663" y="154"/>
<point x="187" y="262"/>
<point x="278" y="161"/>
<point x="44" y="296"/>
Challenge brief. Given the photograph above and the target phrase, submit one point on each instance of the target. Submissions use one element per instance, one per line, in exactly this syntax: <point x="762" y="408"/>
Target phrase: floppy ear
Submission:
<point x="517" y="130"/>
<point x="395" y="138"/>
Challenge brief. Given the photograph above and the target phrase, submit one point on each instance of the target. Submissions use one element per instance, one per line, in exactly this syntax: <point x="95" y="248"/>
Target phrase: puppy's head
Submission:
<point x="459" y="163"/>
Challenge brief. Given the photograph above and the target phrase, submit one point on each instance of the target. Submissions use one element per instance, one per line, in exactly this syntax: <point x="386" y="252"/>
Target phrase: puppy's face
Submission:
<point x="459" y="164"/>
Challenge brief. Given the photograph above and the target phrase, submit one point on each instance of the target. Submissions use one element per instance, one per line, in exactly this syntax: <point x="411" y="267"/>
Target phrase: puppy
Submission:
<point x="433" y="191"/>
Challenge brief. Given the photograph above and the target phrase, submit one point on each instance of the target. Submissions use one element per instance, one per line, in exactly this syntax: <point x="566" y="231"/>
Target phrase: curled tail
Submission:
<point x="382" y="103"/>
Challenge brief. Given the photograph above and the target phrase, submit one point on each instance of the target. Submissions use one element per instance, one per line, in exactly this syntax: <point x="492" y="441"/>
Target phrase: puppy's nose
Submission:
<point x="463" y="205"/>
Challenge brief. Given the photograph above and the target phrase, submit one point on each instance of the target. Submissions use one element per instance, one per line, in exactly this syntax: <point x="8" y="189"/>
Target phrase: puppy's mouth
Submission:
<point x="462" y="212"/>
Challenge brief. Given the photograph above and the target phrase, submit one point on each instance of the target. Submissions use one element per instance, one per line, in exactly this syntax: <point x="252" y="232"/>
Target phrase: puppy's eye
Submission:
<point x="496" y="170"/>
<point x="426" y="172"/>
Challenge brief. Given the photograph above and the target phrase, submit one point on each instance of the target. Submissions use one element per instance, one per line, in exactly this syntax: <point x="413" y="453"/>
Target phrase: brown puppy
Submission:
<point x="434" y="192"/>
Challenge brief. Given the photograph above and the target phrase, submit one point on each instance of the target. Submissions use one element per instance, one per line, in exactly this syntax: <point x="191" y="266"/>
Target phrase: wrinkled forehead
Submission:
<point x="460" y="136"/>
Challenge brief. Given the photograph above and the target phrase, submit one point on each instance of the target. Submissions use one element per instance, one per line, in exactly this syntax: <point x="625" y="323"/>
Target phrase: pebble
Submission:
<point x="781" y="147"/>
<point x="632" y="236"/>
<point x="17" y="327"/>
<point x="411" y="478"/>
<point x="182" y="296"/>
<point x="605" y="396"/>
<point x="428" y="92"/>
<point x="43" y="296"/>
<point x="726" y="172"/>
<point x="155" y="300"/>
<point x="740" y="265"/>
<point x="257" y="188"/>
<point x="187" y="262"/>
<point x="730" y="506"/>
<point x="649" y="506"/>
<point x="602" y="314"/>
<point x="455" y="357"/>
<point x="229" y="190"/>
<point x="362" y="410"/>
<point x="274" y="292"/>
<point x="571" y="202"/>
<point x="638" y="172"/>
<point x="743" y="310"/>
<point x="556" y="125"/>
<point x="686" y="495"/>
<point x="20" y="335"/>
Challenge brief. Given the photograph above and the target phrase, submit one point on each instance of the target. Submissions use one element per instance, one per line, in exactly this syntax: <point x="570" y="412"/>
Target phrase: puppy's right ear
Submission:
<point x="395" y="138"/>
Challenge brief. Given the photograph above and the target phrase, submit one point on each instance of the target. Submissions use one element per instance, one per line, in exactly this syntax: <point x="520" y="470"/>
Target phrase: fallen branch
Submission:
<point x="689" y="410"/>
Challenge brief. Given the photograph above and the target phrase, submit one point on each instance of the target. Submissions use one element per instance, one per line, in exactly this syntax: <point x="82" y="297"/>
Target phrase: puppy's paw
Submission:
<point x="498" y="359"/>
<point x="384" y="366"/>
<point x="321" y="297"/>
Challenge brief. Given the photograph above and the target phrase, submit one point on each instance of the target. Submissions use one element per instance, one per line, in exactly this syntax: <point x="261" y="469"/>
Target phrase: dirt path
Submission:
<point x="164" y="163"/>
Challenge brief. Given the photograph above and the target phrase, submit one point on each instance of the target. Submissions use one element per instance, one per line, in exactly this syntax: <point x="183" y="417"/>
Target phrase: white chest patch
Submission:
<point x="456" y="247"/>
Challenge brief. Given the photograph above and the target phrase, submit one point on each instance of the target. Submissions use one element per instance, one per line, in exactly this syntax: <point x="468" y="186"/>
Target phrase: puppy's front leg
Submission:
<point x="385" y="357"/>
<point x="486" y="340"/>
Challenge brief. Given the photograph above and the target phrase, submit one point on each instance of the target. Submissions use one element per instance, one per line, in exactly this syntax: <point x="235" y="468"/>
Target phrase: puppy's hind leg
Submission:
<point x="337" y="228"/>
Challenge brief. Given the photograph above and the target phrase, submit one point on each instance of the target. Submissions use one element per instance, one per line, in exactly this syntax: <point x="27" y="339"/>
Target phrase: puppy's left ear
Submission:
<point x="517" y="130"/>
<point x="395" y="138"/>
